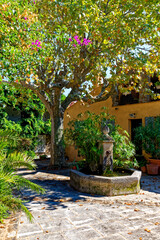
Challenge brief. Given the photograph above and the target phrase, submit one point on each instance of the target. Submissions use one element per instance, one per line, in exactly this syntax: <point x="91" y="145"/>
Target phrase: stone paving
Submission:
<point x="65" y="214"/>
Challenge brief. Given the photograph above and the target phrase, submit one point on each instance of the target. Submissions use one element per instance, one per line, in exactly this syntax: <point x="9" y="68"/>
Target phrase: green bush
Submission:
<point x="85" y="133"/>
<point x="10" y="162"/>
<point x="149" y="137"/>
<point x="123" y="149"/>
<point x="31" y="123"/>
<point x="132" y="163"/>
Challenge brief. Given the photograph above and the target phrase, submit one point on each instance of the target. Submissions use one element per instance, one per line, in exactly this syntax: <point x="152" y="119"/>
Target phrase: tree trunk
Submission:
<point x="57" y="148"/>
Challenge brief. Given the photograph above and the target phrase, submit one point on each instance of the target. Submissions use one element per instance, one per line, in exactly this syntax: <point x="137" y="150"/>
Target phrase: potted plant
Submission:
<point x="149" y="136"/>
<point x="152" y="169"/>
<point x="142" y="163"/>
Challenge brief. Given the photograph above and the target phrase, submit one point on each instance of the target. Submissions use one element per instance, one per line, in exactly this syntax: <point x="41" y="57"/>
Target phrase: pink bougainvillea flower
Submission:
<point x="86" y="41"/>
<point x="37" y="43"/>
<point x="79" y="42"/>
<point x="76" y="37"/>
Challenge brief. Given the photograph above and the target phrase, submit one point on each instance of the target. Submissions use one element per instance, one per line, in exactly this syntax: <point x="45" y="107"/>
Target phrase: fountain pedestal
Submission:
<point x="106" y="159"/>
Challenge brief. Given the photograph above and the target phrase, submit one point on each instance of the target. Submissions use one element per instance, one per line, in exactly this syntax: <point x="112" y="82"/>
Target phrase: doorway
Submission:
<point x="134" y="124"/>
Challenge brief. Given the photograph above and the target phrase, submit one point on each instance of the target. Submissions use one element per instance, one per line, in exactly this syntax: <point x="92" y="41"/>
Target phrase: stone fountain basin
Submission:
<point x="108" y="186"/>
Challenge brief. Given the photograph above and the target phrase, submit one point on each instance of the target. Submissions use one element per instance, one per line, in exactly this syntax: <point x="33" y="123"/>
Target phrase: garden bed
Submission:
<point x="109" y="186"/>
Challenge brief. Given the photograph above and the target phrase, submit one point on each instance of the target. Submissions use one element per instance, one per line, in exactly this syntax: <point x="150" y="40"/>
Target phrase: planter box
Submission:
<point x="109" y="186"/>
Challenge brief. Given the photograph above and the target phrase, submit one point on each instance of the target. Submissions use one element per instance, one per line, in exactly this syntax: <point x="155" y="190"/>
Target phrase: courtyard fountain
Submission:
<point x="101" y="185"/>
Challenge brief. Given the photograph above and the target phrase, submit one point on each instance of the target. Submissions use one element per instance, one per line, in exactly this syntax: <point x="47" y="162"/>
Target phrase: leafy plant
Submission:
<point x="30" y="122"/>
<point x="149" y="137"/>
<point x="124" y="164"/>
<point x="10" y="162"/>
<point x="141" y="160"/>
<point x="123" y="149"/>
<point x="53" y="46"/>
<point x="86" y="134"/>
<point x="119" y="172"/>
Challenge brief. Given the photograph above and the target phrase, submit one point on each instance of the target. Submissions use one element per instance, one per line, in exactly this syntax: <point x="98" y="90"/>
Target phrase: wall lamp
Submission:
<point x="132" y="115"/>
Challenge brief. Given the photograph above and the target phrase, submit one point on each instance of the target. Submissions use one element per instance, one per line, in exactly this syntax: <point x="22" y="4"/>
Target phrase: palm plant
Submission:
<point x="10" y="162"/>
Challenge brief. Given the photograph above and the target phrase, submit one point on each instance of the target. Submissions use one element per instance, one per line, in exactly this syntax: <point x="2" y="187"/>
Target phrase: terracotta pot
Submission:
<point x="144" y="169"/>
<point x="152" y="169"/>
<point x="155" y="162"/>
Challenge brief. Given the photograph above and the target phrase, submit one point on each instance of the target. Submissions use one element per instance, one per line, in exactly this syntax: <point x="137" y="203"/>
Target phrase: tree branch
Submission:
<point x="106" y="6"/>
<point x="74" y="95"/>
<point x="42" y="96"/>
<point x="102" y="96"/>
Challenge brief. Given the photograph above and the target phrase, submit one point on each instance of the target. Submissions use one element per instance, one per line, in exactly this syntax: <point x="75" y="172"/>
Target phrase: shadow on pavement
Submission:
<point x="58" y="190"/>
<point x="56" y="184"/>
<point x="150" y="183"/>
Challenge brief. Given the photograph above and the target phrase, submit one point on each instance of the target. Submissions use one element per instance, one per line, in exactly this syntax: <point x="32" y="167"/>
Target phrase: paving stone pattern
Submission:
<point x="65" y="214"/>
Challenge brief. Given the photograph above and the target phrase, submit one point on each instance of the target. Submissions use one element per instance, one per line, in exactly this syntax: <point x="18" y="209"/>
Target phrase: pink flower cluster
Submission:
<point x="37" y="43"/>
<point x="84" y="42"/>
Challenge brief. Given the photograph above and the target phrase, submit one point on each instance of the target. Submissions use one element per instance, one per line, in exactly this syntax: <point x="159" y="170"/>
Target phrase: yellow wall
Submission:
<point x="121" y="113"/>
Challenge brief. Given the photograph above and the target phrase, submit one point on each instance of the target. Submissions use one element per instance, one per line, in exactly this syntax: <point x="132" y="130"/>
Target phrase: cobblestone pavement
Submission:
<point x="65" y="214"/>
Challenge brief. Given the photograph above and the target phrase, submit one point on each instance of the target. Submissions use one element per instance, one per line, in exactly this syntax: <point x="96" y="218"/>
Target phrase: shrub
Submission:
<point x="85" y="133"/>
<point x="29" y="123"/>
<point x="149" y="137"/>
<point x="10" y="162"/>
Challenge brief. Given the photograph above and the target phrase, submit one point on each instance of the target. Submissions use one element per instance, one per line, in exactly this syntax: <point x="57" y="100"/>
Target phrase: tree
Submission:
<point x="50" y="46"/>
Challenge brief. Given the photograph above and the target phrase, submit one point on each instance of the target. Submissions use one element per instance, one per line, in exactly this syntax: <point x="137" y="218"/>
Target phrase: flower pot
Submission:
<point x="155" y="162"/>
<point x="152" y="169"/>
<point x="144" y="169"/>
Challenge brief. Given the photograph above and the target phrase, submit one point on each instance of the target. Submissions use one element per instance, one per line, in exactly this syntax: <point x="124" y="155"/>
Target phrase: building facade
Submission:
<point x="130" y="111"/>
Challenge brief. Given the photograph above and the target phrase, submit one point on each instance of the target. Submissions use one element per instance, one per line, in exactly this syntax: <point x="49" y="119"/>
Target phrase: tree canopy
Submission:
<point x="50" y="46"/>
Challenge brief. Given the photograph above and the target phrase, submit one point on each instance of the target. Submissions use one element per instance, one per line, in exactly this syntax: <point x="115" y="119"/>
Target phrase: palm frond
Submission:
<point x="16" y="160"/>
<point x="13" y="204"/>
<point x="10" y="162"/>
<point x="21" y="182"/>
